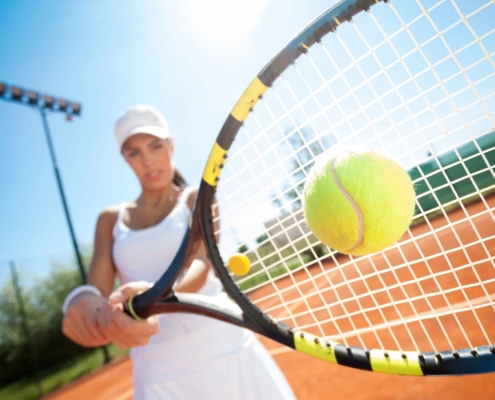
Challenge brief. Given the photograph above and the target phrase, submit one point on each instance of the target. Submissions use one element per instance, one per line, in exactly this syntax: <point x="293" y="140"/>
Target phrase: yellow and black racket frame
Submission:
<point x="161" y="298"/>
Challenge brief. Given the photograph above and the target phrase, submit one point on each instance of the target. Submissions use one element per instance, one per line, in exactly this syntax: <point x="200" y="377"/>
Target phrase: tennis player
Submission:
<point x="174" y="356"/>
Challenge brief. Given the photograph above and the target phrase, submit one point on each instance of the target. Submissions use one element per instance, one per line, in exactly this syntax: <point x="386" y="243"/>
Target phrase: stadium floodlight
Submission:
<point x="16" y="93"/>
<point x="36" y="99"/>
<point x="76" y="108"/>
<point x="33" y="97"/>
<point x="48" y="101"/>
<point x="62" y="104"/>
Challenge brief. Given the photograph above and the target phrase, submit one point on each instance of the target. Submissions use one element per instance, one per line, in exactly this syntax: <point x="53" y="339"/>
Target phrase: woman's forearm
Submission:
<point x="195" y="277"/>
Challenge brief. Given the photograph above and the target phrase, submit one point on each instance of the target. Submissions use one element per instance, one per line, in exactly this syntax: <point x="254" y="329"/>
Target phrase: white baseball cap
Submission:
<point x="141" y="118"/>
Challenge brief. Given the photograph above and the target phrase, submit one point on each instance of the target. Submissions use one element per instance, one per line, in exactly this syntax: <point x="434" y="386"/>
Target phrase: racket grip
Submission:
<point x="130" y="310"/>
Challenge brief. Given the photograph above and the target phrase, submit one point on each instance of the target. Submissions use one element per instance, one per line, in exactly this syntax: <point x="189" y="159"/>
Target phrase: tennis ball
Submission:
<point x="358" y="201"/>
<point x="239" y="264"/>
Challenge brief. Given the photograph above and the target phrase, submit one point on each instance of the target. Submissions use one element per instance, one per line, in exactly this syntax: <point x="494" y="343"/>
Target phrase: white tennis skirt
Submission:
<point x="200" y="358"/>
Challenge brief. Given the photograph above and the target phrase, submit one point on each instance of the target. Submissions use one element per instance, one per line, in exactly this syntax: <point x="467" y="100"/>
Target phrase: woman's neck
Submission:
<point x="158" y="197"/>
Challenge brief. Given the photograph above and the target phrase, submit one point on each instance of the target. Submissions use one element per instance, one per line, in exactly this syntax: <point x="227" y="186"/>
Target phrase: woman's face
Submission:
<point x="150" y="158"/>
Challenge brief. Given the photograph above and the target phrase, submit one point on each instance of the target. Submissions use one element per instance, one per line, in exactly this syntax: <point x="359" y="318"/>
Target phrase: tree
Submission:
<point x="42" y="303"/>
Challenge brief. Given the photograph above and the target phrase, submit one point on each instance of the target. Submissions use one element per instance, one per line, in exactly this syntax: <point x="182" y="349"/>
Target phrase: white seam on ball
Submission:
<point x="356" y="208"/>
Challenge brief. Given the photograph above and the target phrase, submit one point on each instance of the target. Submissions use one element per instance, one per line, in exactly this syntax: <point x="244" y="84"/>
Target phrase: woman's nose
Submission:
<point x="147" y="160"/>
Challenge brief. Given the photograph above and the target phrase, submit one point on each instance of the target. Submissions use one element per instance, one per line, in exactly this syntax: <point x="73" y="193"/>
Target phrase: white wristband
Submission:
<point x="76" y="292"/>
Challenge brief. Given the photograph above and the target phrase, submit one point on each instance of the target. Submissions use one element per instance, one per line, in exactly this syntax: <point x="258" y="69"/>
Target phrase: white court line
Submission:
<point x="458" y="306"/>
<point x="126" y="395"/>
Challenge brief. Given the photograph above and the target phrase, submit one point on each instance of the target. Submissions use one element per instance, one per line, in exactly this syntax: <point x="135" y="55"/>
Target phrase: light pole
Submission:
<point x="33" y="99"/>
<point x="46" y="103"/>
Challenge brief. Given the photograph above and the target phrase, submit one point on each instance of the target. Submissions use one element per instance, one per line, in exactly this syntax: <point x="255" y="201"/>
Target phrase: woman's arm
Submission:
<point x="195" y="276"/>
<point x="102" y="270"/>
<point x="80" y="322"/>
<point x="109" y="317"/>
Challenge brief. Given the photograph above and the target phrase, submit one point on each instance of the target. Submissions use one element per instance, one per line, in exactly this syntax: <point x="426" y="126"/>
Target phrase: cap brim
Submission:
<point x="157" y="131"/>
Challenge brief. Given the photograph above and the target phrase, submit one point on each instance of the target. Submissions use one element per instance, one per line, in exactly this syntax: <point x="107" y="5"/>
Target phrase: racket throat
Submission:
<point x="202" y="305"/>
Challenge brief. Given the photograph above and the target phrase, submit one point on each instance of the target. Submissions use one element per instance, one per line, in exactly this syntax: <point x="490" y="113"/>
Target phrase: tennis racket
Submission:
<point x="416" y="81"/>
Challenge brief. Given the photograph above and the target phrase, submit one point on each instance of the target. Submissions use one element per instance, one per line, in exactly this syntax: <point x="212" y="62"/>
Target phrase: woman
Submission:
<point x="175" y="356"/>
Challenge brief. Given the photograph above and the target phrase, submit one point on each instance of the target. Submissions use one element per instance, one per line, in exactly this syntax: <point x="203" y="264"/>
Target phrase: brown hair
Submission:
<point x="178" y="179"/>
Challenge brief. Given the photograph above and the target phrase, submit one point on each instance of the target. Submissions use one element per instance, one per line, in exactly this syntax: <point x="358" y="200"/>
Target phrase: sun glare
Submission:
<point x="223" y="20"/>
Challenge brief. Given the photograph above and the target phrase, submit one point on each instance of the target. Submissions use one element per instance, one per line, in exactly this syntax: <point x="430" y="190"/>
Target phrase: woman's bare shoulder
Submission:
<point x="109" y="215"/>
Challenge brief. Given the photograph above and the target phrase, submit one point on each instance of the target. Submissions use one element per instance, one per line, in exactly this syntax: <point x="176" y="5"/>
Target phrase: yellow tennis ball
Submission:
<point x="239" y="264"/>
<point x="358" y="201"/>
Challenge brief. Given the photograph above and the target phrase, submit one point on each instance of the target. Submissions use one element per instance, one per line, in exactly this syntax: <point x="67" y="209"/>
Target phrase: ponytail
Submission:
<point x="178" y="179"/>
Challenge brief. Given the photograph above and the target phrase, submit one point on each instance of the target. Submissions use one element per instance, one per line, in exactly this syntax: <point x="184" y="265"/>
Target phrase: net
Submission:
<point x="414" y="80"/>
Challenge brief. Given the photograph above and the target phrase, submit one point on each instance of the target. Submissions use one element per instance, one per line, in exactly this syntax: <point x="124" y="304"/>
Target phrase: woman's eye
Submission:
<point x="157" y="146"/>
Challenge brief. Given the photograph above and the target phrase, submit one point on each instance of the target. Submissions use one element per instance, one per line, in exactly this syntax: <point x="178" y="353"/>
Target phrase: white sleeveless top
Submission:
<point x="145" y="254"/>
<point x="185" y="342"/>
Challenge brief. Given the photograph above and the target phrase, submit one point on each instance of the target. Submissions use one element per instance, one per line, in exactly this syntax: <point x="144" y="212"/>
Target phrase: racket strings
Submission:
<point x="411" y="77"/>
<point x="385" y="289"/>
<point x="398" y="80"/>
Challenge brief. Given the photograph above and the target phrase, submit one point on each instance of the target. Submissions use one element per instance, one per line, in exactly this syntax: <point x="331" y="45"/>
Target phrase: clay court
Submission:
<point x="314" y="379"/>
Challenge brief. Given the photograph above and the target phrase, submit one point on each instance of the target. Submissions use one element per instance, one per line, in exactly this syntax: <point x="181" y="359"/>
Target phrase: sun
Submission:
<point x="224" y="21"/>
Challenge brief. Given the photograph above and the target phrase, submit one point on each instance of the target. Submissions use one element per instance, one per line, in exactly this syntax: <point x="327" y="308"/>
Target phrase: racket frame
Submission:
<point x="161" y="298"/>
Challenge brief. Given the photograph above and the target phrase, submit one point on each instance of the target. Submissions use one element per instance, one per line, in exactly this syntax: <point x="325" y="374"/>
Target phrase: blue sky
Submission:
<point x="190" y="58"/>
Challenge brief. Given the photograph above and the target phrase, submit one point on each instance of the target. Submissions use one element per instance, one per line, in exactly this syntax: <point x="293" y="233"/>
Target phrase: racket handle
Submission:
<point x="130" y="310"/>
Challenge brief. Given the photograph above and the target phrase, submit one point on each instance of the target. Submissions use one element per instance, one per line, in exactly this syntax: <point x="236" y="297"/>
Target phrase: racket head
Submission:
<point x="412" y="81"/>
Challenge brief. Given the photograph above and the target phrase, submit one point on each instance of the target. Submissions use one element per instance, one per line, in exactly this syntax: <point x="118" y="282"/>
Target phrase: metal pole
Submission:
<point x="62" y="194"/>
<point x="66" y="209"/>
<point x="25" y="327"/>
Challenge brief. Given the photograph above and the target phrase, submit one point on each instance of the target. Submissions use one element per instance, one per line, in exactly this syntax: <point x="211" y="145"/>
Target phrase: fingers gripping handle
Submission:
<point x="129" y="308"/>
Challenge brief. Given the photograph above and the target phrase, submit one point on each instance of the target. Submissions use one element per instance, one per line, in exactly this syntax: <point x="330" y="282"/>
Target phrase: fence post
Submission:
<point x="25" y="327"/>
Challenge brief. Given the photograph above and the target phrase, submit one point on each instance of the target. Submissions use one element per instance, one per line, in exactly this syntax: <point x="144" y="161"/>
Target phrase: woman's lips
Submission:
<point x="155" y="174"/>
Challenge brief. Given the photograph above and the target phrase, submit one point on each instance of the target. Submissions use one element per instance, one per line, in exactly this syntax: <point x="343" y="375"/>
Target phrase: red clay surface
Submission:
<point x="112" y="382"/>
<point x="315" y="379"/>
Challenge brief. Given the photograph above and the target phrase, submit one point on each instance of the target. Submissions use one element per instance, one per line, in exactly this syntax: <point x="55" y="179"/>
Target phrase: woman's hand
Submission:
<point x="118" y="327"/>
<point x="80" y="323"/>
